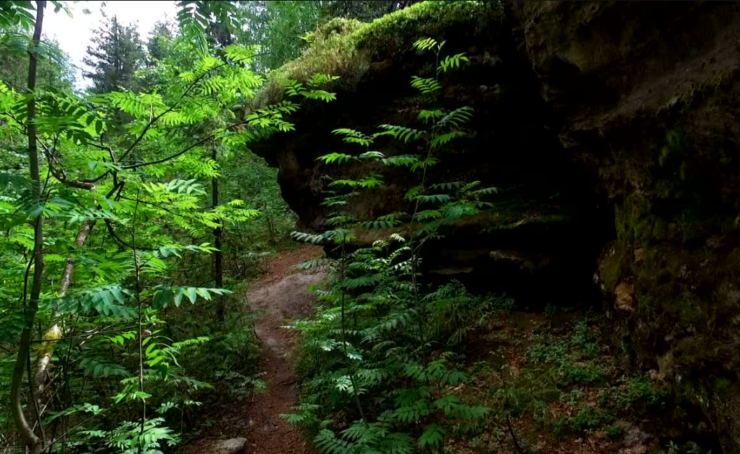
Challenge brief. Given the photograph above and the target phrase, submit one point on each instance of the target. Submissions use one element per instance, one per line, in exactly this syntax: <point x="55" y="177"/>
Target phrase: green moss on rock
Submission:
<point x="392" y="34"/>
<point x="347" y="48"/>
<point x="614" y="266"/>
<point x="636" y="221"/>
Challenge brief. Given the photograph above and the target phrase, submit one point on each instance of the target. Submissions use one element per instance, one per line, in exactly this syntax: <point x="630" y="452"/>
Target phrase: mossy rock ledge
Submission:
<point x="611" y="128"/>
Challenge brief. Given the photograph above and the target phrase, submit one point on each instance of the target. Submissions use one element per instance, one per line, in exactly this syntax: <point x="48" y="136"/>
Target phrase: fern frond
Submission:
<point x="314" y="263"/>
<point x="341" y="220"/>
<point x="432" y="436"/>
<point x="371" y="155"/>
<point x="371" y="181"/>
<point x="453" y="185"/>
<point x="308" y="237"/>
<point x="426" y="115"/>
<point x="100" y="367"/>
<point x="336" y="158"/>
<point x="451" y="61"/>
<point x="164" y="294"/>
<point x="425" y="44"/>
<point x="428" y="214"/>
<point x="403" y="133"/>
<point x="486" y="191"/>
<point x="457" y="117"/>
<point x="319" y="79"/>
<point x="404" y="160"/>
<point x="433" y="198"/>
<point x="443" y="139"/>
<point x="426" y="85"/>
<point x="429" y="162"/>
<point x="240" y="54"/>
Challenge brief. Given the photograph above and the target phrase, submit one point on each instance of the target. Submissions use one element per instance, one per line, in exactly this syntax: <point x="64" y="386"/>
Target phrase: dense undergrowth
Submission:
<point x="487" y="376"/>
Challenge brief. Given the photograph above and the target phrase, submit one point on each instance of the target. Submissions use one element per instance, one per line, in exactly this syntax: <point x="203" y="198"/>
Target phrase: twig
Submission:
<point x="154" y="120"/>
<point x="159" y="161"/>
<point x="141" y="338"/>
<point x="121" y="241"/>
<point x="513" y="435"/>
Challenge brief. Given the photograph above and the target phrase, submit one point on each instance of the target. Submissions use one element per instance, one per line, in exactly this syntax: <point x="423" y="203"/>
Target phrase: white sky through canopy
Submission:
<point x="74" y="34"/>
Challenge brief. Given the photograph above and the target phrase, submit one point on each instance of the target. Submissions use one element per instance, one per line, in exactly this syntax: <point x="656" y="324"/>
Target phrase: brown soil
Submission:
<point x="281" y="300"/>
<point x="280" y="296"/>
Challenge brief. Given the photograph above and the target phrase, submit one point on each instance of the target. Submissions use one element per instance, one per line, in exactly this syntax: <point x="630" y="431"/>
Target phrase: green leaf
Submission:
<point x="192" y="294"/>
<point x="335" y="157"/>
<point x="425" y="44"/>
<point x="432" y="436"/>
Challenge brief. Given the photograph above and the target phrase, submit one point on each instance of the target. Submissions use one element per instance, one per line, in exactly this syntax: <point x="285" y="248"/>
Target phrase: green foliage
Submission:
<point x="131" y="437"/>
<point x="566" y="357"/>
<point x="379" y="356"/>
<point x="615" y="432"/>
<point x="641" y="391"/>
<point x="345" y="47"/>
<point x="129" y="174"/>
<point x="587" y="419"/>
<point x="106" y="300"/>
<point x="100" y="367"/>
<point x="164" y="295"/>
<point x="382" y="350"/>
<point x="115" y="56"/>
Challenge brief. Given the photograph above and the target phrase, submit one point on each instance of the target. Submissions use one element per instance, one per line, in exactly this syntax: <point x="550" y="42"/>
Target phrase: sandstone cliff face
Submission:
<point x="646" y="99"/>
<point x="613" y="130"/>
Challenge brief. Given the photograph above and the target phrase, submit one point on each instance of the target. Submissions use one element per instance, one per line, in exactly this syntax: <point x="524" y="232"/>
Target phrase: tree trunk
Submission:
<point x="55" y="332"/>
<point x="270" y="227"/>
<point x="31" y="440"/>
<point x="271" y="240"/>
<point x="218" y="267"/>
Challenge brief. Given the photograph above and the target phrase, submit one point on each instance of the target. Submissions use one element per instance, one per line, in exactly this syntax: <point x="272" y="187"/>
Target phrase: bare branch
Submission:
<point x="155" y="119"/>
<point x="182" y="152"/>
<point x="120" y="241"/>
<point x="59" y="174"/>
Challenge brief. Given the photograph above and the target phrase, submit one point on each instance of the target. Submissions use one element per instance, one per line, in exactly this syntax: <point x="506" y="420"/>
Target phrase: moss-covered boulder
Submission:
<point x="544" y="215"/>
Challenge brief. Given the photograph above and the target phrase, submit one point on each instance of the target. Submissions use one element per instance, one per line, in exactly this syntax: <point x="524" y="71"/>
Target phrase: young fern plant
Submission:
<point x="376" y="335"/>
<point x="410" y="400"/>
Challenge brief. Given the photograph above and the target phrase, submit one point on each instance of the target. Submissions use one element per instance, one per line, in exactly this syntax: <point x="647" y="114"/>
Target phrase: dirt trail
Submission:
<point x="280" y="297"/>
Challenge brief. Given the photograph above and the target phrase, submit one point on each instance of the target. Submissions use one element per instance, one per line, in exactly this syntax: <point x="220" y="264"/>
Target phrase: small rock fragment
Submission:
<point x="639" y="255"/>
<point x="636" y="441"/>
<point x="230" y="446"/>
<point x="625" y="297"/>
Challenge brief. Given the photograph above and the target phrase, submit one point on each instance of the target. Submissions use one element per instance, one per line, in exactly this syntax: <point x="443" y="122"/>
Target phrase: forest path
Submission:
<point x="280" y="296"/>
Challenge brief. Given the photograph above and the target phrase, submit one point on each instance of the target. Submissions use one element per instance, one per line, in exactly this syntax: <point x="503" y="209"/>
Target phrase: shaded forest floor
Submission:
<point x="552" y="380"/>
<point x="279" y="296"/>
<point x="555" y="384"/>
